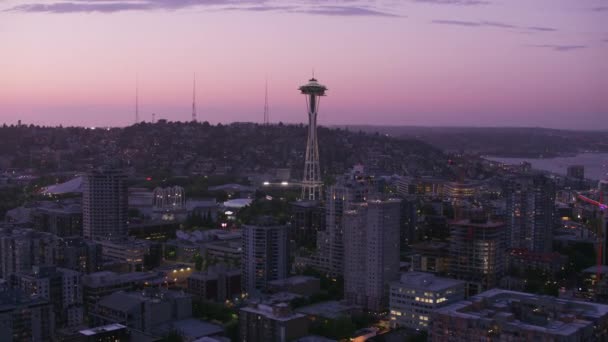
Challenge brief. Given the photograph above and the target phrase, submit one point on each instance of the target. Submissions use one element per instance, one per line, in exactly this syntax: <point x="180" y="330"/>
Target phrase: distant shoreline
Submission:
<point x="549" y="156"/>
<point x="596" y="168"/>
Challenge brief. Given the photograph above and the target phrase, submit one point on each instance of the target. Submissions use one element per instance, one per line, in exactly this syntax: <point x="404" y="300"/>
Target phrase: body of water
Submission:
<point x="596" y="164"/>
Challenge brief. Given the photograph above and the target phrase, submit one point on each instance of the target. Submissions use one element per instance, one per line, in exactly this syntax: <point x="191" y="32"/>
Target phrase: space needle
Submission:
<point x="311" y="184"/>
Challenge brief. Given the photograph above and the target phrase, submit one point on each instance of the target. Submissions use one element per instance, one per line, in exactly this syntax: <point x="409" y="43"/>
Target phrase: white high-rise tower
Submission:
<point x="311" y="184"/>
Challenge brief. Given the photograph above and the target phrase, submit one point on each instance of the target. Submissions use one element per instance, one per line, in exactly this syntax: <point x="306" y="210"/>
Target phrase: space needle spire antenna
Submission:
<point x="311" y="183"/>
<point x="266" y="107"/>
<point x="194" y="98"/>
<point x="136" y="99"/>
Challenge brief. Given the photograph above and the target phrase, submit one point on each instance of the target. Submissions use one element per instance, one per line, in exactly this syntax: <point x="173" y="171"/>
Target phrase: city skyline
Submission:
<point x="419" y="62"/>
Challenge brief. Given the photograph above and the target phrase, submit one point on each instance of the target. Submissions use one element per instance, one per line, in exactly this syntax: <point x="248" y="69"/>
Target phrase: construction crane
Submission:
<point x="601" y="233"/>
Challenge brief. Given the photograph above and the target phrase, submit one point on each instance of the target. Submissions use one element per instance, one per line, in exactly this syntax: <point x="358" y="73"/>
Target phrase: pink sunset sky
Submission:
<point x="394" y="62"/>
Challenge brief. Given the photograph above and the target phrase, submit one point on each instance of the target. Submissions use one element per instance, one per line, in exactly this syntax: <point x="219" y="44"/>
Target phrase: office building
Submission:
<point x="128" y="254"/>
<point x="530" y="208"/>
<point x="371" y="249"/>
<point x="265" y="254"/>
<point x="414" y="297"/>
<point x="477" y="253"/>
<point x="501" y="315"/>
<point x="105" y="204"/>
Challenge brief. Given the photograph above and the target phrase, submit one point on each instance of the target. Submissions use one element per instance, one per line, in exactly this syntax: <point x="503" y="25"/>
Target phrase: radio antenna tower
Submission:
<point x="194" y="98"/>
<point x="311" y="184"/>
<point x="266" y="108"/>
<point x="136" y="99"/>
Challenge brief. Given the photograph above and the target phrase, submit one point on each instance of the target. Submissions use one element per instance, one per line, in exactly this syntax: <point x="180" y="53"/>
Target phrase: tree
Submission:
<point x="339" y="328"/>
<point x="173" y="336"/>
<point x="198" y="262"/>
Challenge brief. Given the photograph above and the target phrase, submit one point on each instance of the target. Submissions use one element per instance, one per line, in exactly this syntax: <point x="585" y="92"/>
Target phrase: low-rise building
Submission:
<point x="521" y="260"/>
<point x="129" y="253"/>
<point x="264" y="323"/>
<point x="501" y="315"/>
<point x="142" y="310"/>
<point x="218" y="283"/>
<point x="329" y="310"/>
<point x="110" y="332"/>
<point x="414" y="297"/>
<point x="100" y="284"/>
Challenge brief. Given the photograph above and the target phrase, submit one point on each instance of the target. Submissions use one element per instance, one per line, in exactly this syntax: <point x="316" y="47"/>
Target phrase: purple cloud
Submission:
<point x="496" y="24"/>
<point x="346" y="11"/>
<point x="560" y="47"/>
<point x="106" y="6"/>
<point x="541" y="28"/>
<point x="454" y="2"/>
<point x="111" y="6"/>
<point x="600" y="9"/>
<point x="457" y="23"/>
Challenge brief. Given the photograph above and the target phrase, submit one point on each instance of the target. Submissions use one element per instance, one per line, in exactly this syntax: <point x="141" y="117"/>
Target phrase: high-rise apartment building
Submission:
<point x="477" y="253"/>
<point x="530" y="208"/>
<point x="20" y="249"/>
<point x="409" y="221"/>
<point x="25" y="318"/>
<point x="371" y="252"/>
<point x="60" y="286"/>
<point x="307" y="218"/>
<point x="105" y="204"/>
<point x="265" y="254"/>
<point x="353" y="187"/>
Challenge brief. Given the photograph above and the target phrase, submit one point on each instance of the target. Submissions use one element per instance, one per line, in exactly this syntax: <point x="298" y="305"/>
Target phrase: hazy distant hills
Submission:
<point x="500" y="141"/>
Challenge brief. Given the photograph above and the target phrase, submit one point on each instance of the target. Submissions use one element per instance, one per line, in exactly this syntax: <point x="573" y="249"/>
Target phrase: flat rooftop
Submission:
<point x="295" y="280"/>
<point x="330" y="309"/>
<point x="425" y="281"/>
<point x="499" y="305"/>
<point x="268" y="312"/>
<point x="102" y="329"/>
